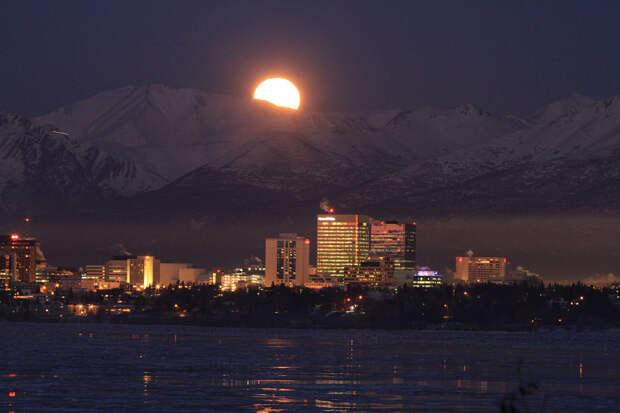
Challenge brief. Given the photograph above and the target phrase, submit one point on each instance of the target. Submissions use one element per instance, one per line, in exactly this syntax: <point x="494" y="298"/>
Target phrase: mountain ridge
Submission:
<point x="164" y="137"/>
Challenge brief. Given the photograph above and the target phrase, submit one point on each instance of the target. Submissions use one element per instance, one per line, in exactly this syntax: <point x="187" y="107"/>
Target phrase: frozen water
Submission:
<point x="100" y="368"/>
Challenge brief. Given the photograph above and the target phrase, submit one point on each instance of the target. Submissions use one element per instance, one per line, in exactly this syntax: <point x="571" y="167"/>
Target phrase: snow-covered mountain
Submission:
<point x="41" y="165"/>
<point x="568" y="156"/>
<point x="176" y="141"/>
<point x="175" y="131"/>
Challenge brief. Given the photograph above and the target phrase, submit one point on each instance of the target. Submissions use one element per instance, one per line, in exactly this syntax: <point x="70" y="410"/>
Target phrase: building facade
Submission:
<point x="480" y="269"/>
<point x="375" y="272"/>
<point x="287" y="260"/>
<point x="397" y="241"/>
<point x="7" y="269"/>
<point x="169" y="272"/>
<point x="95" y="272"/>
<point x="426" y="278"/>
<point x="144" y="271"/>
<point x="342" y="241"/>
<point x="22" y="255"/>
<point x="118" y="268"/>
<point x="139" y="271"/>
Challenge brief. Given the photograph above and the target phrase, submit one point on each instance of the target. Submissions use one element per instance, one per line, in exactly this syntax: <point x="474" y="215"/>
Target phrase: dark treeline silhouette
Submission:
<point x="475" y="306"/>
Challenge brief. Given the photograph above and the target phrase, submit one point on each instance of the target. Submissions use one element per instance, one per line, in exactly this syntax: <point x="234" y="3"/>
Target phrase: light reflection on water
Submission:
<point x="90" y="368"/>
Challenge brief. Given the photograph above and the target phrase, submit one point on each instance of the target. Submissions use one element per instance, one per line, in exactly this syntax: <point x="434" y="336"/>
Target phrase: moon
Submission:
<point x="279" y="92"/>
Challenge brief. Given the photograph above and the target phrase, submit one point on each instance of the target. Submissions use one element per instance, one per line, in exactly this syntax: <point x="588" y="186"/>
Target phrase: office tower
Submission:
<point x="480" y="269"/>
<point x="375" y="272"/>
<point x="342" y="241"/>
<point x="397" y="241"/>
<point x="287" y="260"/>
<point x="24" y="253"/>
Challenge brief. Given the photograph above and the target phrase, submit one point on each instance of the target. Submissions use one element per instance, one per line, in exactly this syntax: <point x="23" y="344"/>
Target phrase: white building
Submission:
<point x="287" y="260"/>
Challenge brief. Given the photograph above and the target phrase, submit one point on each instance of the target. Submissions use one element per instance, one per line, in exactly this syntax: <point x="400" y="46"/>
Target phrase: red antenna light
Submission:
<point x="307" y="241"/>
<point x="331" y="210"/>
<point x="27" y="219"/>
<point x="415" y="223"/>
<point x="14" y="237"/>
<point x="460" y="259"/>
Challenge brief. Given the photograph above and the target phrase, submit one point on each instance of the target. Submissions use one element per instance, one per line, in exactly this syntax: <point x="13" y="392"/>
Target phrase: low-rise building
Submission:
<point x="139" y="271"/>
<point x="426" y="278"/>
<point x="169" y="272"/>
<point x="480" y="269"/>
<point x="94" y="272"/>
<point x="378" y="271"/>
<point x="253" y="276"/>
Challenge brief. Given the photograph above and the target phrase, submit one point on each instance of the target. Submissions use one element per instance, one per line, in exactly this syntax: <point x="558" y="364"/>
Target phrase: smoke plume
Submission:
<point x="601" y="280"/>
<point x="325" y="206"/>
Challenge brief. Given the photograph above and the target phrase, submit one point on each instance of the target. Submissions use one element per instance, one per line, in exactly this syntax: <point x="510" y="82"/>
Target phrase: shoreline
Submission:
<point x="296" y="324"/>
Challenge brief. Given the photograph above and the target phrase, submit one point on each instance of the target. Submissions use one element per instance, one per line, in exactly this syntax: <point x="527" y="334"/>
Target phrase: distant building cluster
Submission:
<point x="351" y="249"/>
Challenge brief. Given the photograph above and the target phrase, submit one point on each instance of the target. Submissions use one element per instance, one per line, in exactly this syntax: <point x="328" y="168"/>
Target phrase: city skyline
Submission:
<point x="350" y="248"/>
<point x="304" y="206"/>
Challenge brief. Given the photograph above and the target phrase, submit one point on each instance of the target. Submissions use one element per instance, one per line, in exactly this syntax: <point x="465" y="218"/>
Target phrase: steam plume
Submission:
<point x="325" y="206"/>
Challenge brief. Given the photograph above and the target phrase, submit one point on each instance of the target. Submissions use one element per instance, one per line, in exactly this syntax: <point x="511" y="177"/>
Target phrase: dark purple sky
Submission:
<point x="344" y="55"/>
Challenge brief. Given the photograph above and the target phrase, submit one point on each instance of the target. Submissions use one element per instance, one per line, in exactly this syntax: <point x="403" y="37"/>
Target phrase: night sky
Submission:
<point x="343" y="55"/>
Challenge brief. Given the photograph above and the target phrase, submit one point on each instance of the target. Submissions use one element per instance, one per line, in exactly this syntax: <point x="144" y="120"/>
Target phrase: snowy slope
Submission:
<point x="40" y="163"/>
<point x="392" y="156"/>
<point x="570" y="146"/>
<point x="174" y="131"/>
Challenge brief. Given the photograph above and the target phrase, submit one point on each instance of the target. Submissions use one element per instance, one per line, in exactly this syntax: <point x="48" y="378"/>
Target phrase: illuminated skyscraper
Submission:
<point x="480" y="269"/>
<point x="287" y="260"/>
<point x="22" y="255"/>
<point x="397" y="241"/>
<point x="342" y="241"/>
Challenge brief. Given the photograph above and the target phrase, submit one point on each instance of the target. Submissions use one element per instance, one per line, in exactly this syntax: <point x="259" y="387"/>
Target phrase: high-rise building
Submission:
<point x="287" y="260"/>
<point x="342" y="241"/>
<point x="480" y="269"/>
<point x="24" y="253"/>
<point x="397" y="241"/>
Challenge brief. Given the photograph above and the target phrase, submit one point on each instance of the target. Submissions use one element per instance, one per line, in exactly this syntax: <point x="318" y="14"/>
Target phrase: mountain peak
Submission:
<point x="563" y="107"/>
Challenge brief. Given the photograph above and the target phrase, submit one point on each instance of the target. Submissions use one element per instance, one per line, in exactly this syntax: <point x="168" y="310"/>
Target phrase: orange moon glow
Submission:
<point x="278" y="91"/>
